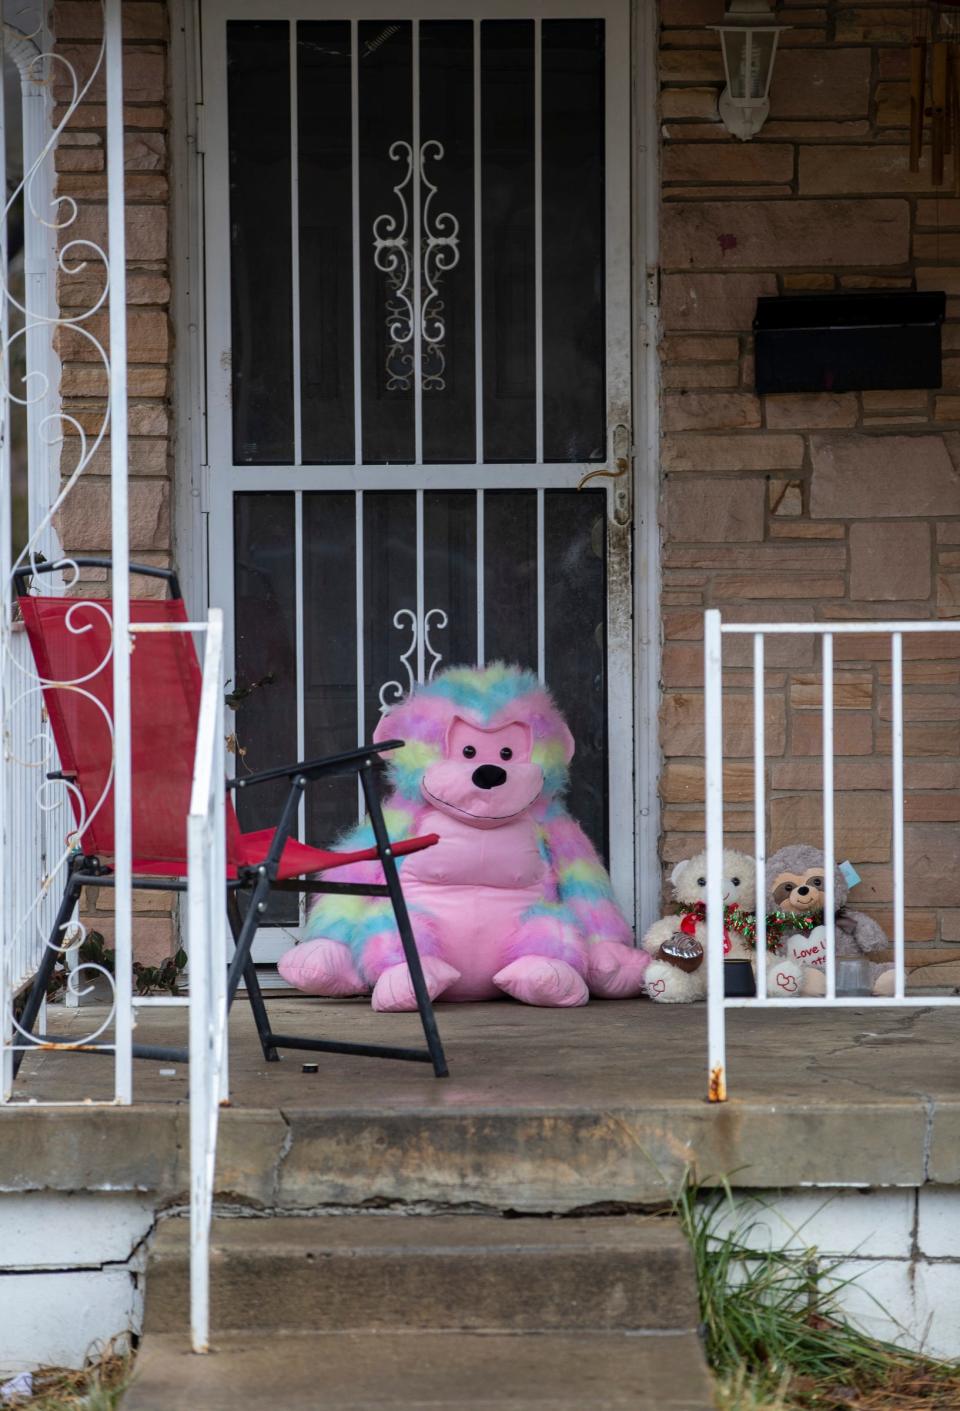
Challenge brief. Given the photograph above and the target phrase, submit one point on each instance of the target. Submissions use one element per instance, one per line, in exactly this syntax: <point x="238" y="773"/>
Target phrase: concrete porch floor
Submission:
<point x="544" y="1109"/>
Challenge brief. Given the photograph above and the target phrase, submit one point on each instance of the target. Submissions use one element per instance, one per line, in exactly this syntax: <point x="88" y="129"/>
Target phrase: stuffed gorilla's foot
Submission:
<point x="322" y="967"/>
<point x="667" y="984"/>
<point x="394" y="993"/>
<point x="615" y="971"/>
<point x="540" y="980"/>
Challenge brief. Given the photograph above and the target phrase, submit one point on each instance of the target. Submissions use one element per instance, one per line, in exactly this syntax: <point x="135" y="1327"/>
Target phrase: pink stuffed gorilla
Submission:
<point x="513" y="898"/>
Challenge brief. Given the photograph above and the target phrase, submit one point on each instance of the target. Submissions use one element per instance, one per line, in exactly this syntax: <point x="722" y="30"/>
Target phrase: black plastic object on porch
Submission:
<point x="851" y="342"/>
<point x="738" y="980"/>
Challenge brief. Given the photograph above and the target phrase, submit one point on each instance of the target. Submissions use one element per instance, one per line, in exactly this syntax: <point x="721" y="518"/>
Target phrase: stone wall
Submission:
<point x="793" y="507"/>
<point x="81" y="174"/>
<point x="808" y="508"/>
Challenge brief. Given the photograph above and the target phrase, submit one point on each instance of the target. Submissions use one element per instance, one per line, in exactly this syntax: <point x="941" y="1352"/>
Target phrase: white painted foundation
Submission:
<point x="900" y="1246"/>
<point x="71" y="1274"/>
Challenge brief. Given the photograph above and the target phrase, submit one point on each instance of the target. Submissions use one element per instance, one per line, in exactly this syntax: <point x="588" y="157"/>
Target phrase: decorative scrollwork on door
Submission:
<point x="439" y="254"/>
<point x="393" y="691"/>
<point x="391" y="255"/>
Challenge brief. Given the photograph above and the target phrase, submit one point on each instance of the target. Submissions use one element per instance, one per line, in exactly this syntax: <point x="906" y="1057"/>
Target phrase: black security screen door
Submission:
<point x="418" y="348"/>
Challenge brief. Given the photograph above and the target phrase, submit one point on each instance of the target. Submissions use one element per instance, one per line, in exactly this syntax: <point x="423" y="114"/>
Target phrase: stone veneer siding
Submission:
<point x="819" y="508"/>
<point x="81" y="174"/>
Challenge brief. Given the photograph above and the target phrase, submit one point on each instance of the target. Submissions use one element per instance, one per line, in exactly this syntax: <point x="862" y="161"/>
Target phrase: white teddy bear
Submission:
<point x="677" y="974"/>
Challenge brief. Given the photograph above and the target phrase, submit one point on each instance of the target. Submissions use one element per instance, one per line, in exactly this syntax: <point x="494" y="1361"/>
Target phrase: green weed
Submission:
<point x="775" y="1335"/>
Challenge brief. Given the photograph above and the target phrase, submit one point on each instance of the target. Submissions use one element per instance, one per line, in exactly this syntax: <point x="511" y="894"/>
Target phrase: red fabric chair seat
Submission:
<point x="298" y="860"/>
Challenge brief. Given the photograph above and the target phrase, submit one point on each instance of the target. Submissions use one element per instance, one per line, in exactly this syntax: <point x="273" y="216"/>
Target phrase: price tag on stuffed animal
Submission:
<point x="810" y="949"/>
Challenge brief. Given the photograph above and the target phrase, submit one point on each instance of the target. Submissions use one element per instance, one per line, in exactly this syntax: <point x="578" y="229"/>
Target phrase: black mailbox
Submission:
<point x="848" y="342"/>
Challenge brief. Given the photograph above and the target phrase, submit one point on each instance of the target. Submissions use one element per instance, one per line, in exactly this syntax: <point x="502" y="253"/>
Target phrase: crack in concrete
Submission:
<point x="285" y="1148"/>
<point x="930" y="1106"/>
<point x="100" y="1267"/>
<point x="903" y="1025"/>
<point x="146" y="1239"/>
<point x="379" y="1206"/>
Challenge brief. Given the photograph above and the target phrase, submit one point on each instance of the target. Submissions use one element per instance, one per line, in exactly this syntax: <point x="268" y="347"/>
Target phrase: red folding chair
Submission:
<point x="71" y="639"/>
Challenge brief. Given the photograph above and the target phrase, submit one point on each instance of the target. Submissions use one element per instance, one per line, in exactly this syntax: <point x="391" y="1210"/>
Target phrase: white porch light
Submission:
<point x="749" y="37"/>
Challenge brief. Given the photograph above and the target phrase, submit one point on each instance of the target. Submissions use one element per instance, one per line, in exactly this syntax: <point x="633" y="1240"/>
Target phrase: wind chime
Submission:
<point x="935" y="90"/>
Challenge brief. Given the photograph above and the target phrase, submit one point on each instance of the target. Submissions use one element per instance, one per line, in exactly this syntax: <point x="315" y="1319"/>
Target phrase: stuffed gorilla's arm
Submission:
<point x="615" y="969"/>
<point x="581" y="880"/>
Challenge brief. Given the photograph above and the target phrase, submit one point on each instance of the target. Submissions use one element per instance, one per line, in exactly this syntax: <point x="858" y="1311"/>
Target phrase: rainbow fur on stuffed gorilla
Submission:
<point x="513" y="899"/>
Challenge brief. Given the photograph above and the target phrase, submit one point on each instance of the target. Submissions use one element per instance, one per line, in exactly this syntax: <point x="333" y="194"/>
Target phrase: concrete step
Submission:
<point x="473" y="1272"/>
<point x="350" y="1371"/>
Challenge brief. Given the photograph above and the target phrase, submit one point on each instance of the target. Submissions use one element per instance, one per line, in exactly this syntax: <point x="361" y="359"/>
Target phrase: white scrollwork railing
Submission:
<point x="39" y="820"/>
<point x="392" y="256"/>
<point x="40" y="836"/>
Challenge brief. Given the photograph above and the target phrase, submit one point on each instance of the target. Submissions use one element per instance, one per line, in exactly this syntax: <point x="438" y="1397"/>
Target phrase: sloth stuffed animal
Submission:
<point x="796" y="895"/>
<point x="513" y="899"/>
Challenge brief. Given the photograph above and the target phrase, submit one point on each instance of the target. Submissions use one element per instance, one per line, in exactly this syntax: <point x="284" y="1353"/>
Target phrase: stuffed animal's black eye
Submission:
<point x="468" y="752"/>
<point x="701" y="881"/>
<point x="506" y="754"/>
<point x="735" y="881"/>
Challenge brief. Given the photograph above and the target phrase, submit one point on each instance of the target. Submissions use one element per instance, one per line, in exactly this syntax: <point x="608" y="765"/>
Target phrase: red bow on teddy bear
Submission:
<point x="733" y="919"/>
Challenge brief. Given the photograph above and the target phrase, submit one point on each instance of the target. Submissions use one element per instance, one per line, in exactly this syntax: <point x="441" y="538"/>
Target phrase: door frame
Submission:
<point x="192" y="488"/>
<point x="647" y="578"/>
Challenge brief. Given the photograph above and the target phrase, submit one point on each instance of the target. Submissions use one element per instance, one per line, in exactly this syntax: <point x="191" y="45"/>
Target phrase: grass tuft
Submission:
<point x="776" y="1338"/>
<point x="97" y="1387"/>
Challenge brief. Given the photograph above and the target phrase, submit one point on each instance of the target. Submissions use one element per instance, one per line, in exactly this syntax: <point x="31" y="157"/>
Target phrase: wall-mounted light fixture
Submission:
<point x="749" y="37"/>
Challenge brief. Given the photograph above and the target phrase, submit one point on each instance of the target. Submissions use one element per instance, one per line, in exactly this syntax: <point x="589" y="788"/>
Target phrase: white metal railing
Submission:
<point x="717" y="1003"/>
<point x="40" y="821"/>
<point x="120" y="553"/>
<point x="207" y="951"/>
<point x="206" y="944"/>
<point x="59" y="451"/>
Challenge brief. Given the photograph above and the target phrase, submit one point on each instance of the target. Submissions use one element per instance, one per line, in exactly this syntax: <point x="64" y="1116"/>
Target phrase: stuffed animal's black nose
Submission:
<point x="489" y="776"/>
<point x="803" y="891"/>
